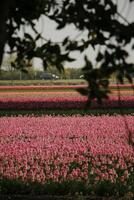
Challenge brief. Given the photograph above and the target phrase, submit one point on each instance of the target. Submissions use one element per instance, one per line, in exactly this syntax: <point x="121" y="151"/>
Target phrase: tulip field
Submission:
<point x="63" y="103"/>
<point x="58" y="97"/>
<point x="65" y="155"/>
<point x="87" y="150"/>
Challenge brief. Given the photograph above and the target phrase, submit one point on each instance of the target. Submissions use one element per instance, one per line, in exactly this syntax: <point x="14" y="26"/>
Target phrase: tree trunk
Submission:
<point x="4" y="9"/>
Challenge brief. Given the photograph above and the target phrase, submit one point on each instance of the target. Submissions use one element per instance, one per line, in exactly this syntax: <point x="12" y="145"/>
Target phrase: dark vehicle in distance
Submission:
<point x="49" y="76"/>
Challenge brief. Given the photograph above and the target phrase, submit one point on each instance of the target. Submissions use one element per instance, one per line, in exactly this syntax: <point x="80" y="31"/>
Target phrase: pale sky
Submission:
<point x="48" y="30"/>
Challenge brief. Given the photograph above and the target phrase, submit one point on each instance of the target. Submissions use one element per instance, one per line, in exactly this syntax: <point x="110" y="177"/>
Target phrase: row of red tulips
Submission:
<point x="33" y="87"/>
<point x="63" y="103"/>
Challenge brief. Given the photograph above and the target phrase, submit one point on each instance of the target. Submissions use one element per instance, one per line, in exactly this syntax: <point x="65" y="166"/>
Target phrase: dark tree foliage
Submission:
<point x="100" y="18"/>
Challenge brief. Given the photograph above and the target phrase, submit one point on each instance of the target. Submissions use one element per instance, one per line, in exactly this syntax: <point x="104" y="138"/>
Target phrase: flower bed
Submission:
<point x="41" y="87"/>
<point x="53" y="94"/>
<point x="63" y="103"/>
<point x="67" y="154"/>
<point x="39" y="94"/>
<point x="59" y="87"/>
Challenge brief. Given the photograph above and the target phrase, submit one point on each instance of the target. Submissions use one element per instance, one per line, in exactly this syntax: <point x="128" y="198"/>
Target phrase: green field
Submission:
<point x="43" y="82"/>
<point x="49" y="82"/>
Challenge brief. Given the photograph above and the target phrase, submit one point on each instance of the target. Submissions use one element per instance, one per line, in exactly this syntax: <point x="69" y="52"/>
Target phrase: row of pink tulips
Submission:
<point x="63" y="103"/>
<point x="66" y="148"/>
<point x="53" y="94"/>
<point x="41" y="94"/>
<point x="49" y="87"/>
<point x="33" y="87"/>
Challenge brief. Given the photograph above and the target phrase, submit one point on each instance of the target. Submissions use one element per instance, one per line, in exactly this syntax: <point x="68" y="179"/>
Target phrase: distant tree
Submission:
<point x="101" y="19"/>
<point x="73" y="73"/>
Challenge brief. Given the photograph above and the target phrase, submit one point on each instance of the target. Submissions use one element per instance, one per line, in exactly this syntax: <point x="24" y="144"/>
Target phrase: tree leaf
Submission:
<point x="83" y="91"/>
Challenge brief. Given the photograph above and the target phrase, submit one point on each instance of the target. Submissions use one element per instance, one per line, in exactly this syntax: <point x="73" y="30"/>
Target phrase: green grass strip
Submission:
<point x="96" y="112"/>
<point x="39" y="90"/>
<point x="43" y="82"/>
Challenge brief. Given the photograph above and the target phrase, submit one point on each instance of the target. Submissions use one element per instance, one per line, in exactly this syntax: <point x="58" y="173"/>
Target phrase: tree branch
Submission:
<point x="4" y="9"/>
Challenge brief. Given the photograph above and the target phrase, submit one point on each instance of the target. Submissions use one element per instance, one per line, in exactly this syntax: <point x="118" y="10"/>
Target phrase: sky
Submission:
<point x="48" y="29"/>
<point x="49" y="32"/>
